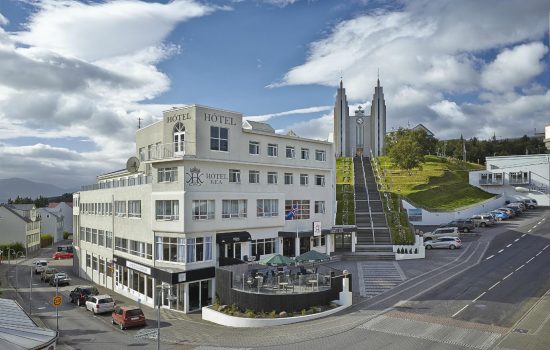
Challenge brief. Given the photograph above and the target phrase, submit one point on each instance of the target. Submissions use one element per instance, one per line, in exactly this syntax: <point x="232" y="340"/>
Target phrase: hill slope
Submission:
<point x="440" y="184"/>
<point x="13" y="187"/>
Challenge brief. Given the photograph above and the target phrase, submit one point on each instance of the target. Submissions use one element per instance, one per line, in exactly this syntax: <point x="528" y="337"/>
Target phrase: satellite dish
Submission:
<point x="132" y="164"/>
<point x="521" y="189"/>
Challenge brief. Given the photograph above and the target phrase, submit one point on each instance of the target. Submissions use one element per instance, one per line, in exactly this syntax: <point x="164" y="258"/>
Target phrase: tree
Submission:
<point x="406" y="152"/>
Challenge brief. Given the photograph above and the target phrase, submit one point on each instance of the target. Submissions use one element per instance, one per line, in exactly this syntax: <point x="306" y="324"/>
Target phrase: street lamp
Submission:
<point x="16" y="265"/>
<point x="160" y="289"/>
<point x="9" y="251"/>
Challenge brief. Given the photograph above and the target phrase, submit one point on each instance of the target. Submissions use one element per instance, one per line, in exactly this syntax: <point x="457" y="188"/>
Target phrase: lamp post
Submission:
<point x="9" y="251"/>
<point x="16" y="265"/>
<point x="30" y="294"/>
<point x="160" y="289"/>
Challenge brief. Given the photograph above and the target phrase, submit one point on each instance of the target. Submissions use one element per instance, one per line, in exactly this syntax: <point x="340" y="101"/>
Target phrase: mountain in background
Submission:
<point x="11" y="188"/>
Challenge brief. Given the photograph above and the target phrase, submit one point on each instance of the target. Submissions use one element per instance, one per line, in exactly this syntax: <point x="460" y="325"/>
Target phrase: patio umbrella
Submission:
<point x="276" y="260"/>
<point x="312" y="256"/>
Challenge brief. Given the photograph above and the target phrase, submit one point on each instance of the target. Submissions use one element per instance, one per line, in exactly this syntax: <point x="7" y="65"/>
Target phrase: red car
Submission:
<point x="62" y="255"/>
<point x="128" y="316"/>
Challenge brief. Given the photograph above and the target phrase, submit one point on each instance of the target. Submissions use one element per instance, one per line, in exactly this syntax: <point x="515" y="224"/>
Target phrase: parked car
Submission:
<point x="47" y="274"/>
<point x="62" y="255"/>
<point x="60" y="279"/>
<point x="516" y="209"/>
<point x="520" y="204"/>
<point x="80" y="294"/>
<point x="508" y="211"/>
<point x="441" y="232"/>
<point x="483" y="220"/>
<point x="128" y="316"/>
<point x="100" y="303"/>
<point x="500" y="215"/>
<point x="444" y="242"/>
<point x="530" y="203"/>
<point x="464" y="225"/>
<point x="39" y="265"/>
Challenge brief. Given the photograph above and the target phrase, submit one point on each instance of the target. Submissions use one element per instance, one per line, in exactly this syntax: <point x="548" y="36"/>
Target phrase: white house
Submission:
<point x="516" y="177"/>
<point x="20" y="223"/>
<point x="52" y="223"/>
<point x="66" y="209"/>
<point x="204" y="188"/>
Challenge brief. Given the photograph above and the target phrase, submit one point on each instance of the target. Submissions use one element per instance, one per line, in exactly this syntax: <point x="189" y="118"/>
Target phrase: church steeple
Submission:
<point x="341" y="117"/>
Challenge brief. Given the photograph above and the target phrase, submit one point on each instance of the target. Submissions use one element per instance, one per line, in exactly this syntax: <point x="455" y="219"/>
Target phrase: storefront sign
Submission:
<point x="316" y="228"/>
<point x="178" y="117"/>
<point x="194" y="177"/>
<point x="219" y="119"/>
<point x="138" y="267"/>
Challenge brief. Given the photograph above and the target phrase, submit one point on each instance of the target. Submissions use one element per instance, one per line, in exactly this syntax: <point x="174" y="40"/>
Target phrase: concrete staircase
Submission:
<point x="373" y="234"/>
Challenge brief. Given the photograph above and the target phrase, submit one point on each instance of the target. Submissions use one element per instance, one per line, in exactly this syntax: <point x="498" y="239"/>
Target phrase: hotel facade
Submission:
<point x="204" y="189"/>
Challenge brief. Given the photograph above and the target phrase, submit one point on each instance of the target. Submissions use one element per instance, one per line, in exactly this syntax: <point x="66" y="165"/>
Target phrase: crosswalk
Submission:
<point x="376" y="277"/>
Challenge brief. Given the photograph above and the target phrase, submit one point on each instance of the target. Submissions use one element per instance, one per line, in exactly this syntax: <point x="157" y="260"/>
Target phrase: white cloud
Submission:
<point x="514" y="67"/>
<point x="280" y="3"/>
<point x="317" y="128"/>
<point x="266" y="117"/>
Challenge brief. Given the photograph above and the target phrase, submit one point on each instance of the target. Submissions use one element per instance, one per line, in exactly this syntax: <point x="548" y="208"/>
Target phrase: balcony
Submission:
<point x="491" y="179"/>
<point x="123" y="182"/>
<point x="161" y="151"/>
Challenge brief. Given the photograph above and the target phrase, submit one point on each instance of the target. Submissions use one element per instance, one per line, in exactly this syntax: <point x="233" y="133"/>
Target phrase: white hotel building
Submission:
<point x="207" y="186"/>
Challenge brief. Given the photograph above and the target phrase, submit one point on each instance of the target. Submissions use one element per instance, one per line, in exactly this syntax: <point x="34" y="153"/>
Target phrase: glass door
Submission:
<point x="194" y="296"/>
<point x="288" y="247"/>
<point x="206" y="286"/>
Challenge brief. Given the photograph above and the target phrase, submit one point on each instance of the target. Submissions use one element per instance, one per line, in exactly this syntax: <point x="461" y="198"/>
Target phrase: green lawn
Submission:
<point x="345" y="211"/>
<point x="440" y="183"/>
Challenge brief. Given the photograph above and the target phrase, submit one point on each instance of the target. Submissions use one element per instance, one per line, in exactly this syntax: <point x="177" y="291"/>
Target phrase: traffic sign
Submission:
<point x="57" y="300"/>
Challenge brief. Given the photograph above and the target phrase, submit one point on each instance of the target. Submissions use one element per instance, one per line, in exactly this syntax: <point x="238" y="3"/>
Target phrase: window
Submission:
<point x="267" y="207"/>
<point x="167" y="249"/>
<point x="319" y="207"/>
<point x="203" y="209"/>
<point x="142" y="153"/>
<point x="263" y="246"/>
<point x="219" y="139"/>
<point x="167" y="210"/>
<point x="272" y="178"/>
<point x="88" y="234"/>
<point x="234" y="208"/>
<point x="149" y="252"/>
<point x="254" y="177"/>
<point x="179" y="137"/>
<point x="207" y="248"/>
<point x="134" y="209"/>
<point x="272" y="149"/>
<point x="234" y="176"/>
<point x="109" y="239"/>
<point x="101" y="266"/>
<point x="297" y="209"/>
<point x="320" y="180"/>
<point x="305" y="153"/>
<point x="120" y="208"/>
<point x="94" y="236"/>
<point x="290" y="153"/>
<point x="304" y="179"/>
<point x="519" y="178"/>
<point x="320" y="155"/>
<point x="491" y="179"/>
<point x="88" y="260"/>
<point x="149" y="152"/>
<point x="101" y="237"/>
<point x="149" y="286"/>
<point x="94" y="263"/>
<point x="121" y="244"/>
<point x="288" y="179"/>
<point x="167" y="175"/>
<point x="199" y="249"/>
<point x="254" y="147"/>
<point x="137" y="248"/>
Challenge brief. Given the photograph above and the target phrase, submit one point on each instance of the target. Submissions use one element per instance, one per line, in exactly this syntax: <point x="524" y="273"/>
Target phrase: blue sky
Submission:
<point x="76" y="74"/>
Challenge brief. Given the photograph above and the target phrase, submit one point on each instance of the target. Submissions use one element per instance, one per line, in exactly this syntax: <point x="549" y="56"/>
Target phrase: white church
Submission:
<point x="359" y="134"/>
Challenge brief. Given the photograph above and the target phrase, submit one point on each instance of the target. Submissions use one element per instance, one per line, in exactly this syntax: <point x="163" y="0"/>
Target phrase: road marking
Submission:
<point x="517" y="239"/>
<point x="459" y="311"/>
<point x="500" y="251"/>
<point x="519" y="268"/>
<point x="490" y="257"/>
<point x="494" y="285"/>
<point x="528" y="261"/>
<point x="508" y="275"/>
<point x="539" y="253"/>
<point x="523" y="235"/>
<point x="545" y="247"/>
<point x="509" y="245"/>
<point x="535" y="226"/>
<point x="482" y="294"/>
<point x="41" y="308"/>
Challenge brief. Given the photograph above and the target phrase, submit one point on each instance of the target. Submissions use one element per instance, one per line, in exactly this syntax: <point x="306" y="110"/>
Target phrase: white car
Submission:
<point x="441" y="232"/>
<point x="100" y="303"/>
<point x="444" y="242"/>
<point x="39" y="266"/>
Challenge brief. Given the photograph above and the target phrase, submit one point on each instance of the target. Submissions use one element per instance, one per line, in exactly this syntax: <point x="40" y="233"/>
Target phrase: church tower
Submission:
<point x="378" y="121"/>
<point x="341" y="120"/>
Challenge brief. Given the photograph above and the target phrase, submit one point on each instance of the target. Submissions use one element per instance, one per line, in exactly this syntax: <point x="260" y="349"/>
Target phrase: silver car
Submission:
<point x="483" y="220"/>
<point x="100" y="303"/>
<point x="444" y="242"/>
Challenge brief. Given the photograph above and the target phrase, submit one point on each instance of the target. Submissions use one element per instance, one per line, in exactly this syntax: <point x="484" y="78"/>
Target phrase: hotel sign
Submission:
<point x="194" y="177"/>
<point x="316" y="228"/>
<point x="178" y="117"/>
<point x="138" y="267"/>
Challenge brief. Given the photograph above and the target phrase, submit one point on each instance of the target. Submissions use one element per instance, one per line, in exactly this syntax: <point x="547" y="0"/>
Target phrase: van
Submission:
<point x="441" y="232"/>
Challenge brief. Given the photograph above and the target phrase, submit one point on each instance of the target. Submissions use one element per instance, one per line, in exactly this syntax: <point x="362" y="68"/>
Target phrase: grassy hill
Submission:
<point x="440" y="184"/>
<point x="345" y="211"/>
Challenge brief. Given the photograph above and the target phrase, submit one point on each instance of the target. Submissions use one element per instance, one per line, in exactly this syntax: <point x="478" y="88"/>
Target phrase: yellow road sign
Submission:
<point x="57" y="300"/>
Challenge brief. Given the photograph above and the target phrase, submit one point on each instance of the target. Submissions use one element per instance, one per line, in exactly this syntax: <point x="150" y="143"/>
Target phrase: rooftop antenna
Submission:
<point x="139" y="122"/>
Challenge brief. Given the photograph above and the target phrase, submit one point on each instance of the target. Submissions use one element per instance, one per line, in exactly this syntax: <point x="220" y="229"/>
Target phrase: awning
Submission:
<point x="309" y="233"/>
<point x="233" y="237"/>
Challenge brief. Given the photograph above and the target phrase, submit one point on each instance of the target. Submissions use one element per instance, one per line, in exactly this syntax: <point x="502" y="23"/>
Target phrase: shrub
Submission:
<point x="46" y="240"/>
<point x="250" y="314"/>
<point x="65" y="234"/>
<point x="18" y="247"/>
<point x="416" y="250"/>
<point x="273" y="314"/>
<point x="303" y="312"/>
